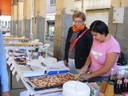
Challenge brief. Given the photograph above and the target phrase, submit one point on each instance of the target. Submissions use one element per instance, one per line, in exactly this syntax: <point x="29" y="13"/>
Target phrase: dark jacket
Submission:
<point x="82" y="47"/>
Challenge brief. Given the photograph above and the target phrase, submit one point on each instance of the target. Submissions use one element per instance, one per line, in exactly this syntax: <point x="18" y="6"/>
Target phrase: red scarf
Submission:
<point x="78" y="29"/>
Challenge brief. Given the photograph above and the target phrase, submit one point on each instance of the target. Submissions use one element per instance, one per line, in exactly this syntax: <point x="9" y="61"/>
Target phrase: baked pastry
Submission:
<point x="51" y="81"/>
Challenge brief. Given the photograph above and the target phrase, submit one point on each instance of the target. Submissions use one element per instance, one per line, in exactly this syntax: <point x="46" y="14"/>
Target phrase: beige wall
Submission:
<point x="20" y="10"/>
<point x="64" y="6"/>
<point x="27" y="13"/>
<point x="77" y="5"/>
<point x="14" y="18"/>
<point x="42" y="13"/>
<point x="59" y="6"/>
<point x="92" y="4"/>
<point x="42" y="9"/>
<point x="120" y="3"/>
<point x="99" y="14"/>
<point x="15" y="12"/>
<point x="68" y="5"/>
<point x="97" y="4"/>
<point x="20" y="18"/>
<point x="27" y="10"/>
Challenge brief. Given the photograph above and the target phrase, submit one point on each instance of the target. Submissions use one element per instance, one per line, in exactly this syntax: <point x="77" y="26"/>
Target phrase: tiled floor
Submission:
<point x="16" y="92"/>
<point x="15" y="86"/>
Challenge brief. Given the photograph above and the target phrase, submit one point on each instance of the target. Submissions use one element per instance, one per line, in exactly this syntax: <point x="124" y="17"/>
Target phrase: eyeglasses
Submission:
<point x="78" y="22"/>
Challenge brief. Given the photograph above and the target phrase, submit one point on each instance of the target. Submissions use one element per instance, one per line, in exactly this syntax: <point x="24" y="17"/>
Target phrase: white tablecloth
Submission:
<point x="23" y="71"/>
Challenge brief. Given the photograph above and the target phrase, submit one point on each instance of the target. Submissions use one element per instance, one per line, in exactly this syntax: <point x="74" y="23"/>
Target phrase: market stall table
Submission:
<point x="15" y="38"/>
<point x="20" y="71"/>
<point x="23" y="44"/>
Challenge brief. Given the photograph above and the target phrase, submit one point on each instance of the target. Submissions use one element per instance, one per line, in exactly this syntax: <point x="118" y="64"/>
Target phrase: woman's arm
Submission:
<point x="109" y="63"/>
<point x="86" y="65"/>
<point x="67" y="47"/>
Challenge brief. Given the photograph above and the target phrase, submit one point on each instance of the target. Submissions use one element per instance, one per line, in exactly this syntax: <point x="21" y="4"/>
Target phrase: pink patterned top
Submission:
<point x="99" y="52"/>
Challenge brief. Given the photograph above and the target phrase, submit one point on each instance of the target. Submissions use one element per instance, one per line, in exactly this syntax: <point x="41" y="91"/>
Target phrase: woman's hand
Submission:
<point x="66" y="63"/>
<point x="5" y="94"/>
<point x="85" y="76"/>
<point x="84" y="69"/>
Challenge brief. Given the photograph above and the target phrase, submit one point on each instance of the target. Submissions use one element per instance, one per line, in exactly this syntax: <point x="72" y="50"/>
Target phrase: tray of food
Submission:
<point x="49" y="81"/>
<point x="21" y="61"/>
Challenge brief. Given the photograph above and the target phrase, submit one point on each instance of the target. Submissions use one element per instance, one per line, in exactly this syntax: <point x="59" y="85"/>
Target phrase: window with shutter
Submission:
<point x="52" y="2"/>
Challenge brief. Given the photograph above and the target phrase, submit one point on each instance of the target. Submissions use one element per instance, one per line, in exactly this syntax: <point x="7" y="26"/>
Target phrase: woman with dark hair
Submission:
<point x="78" y="43"/>
<point x="103" y="55"/>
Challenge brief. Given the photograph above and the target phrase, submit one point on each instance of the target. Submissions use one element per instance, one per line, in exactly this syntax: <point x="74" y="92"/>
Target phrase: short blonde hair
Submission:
<point x="78" y="14"/>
